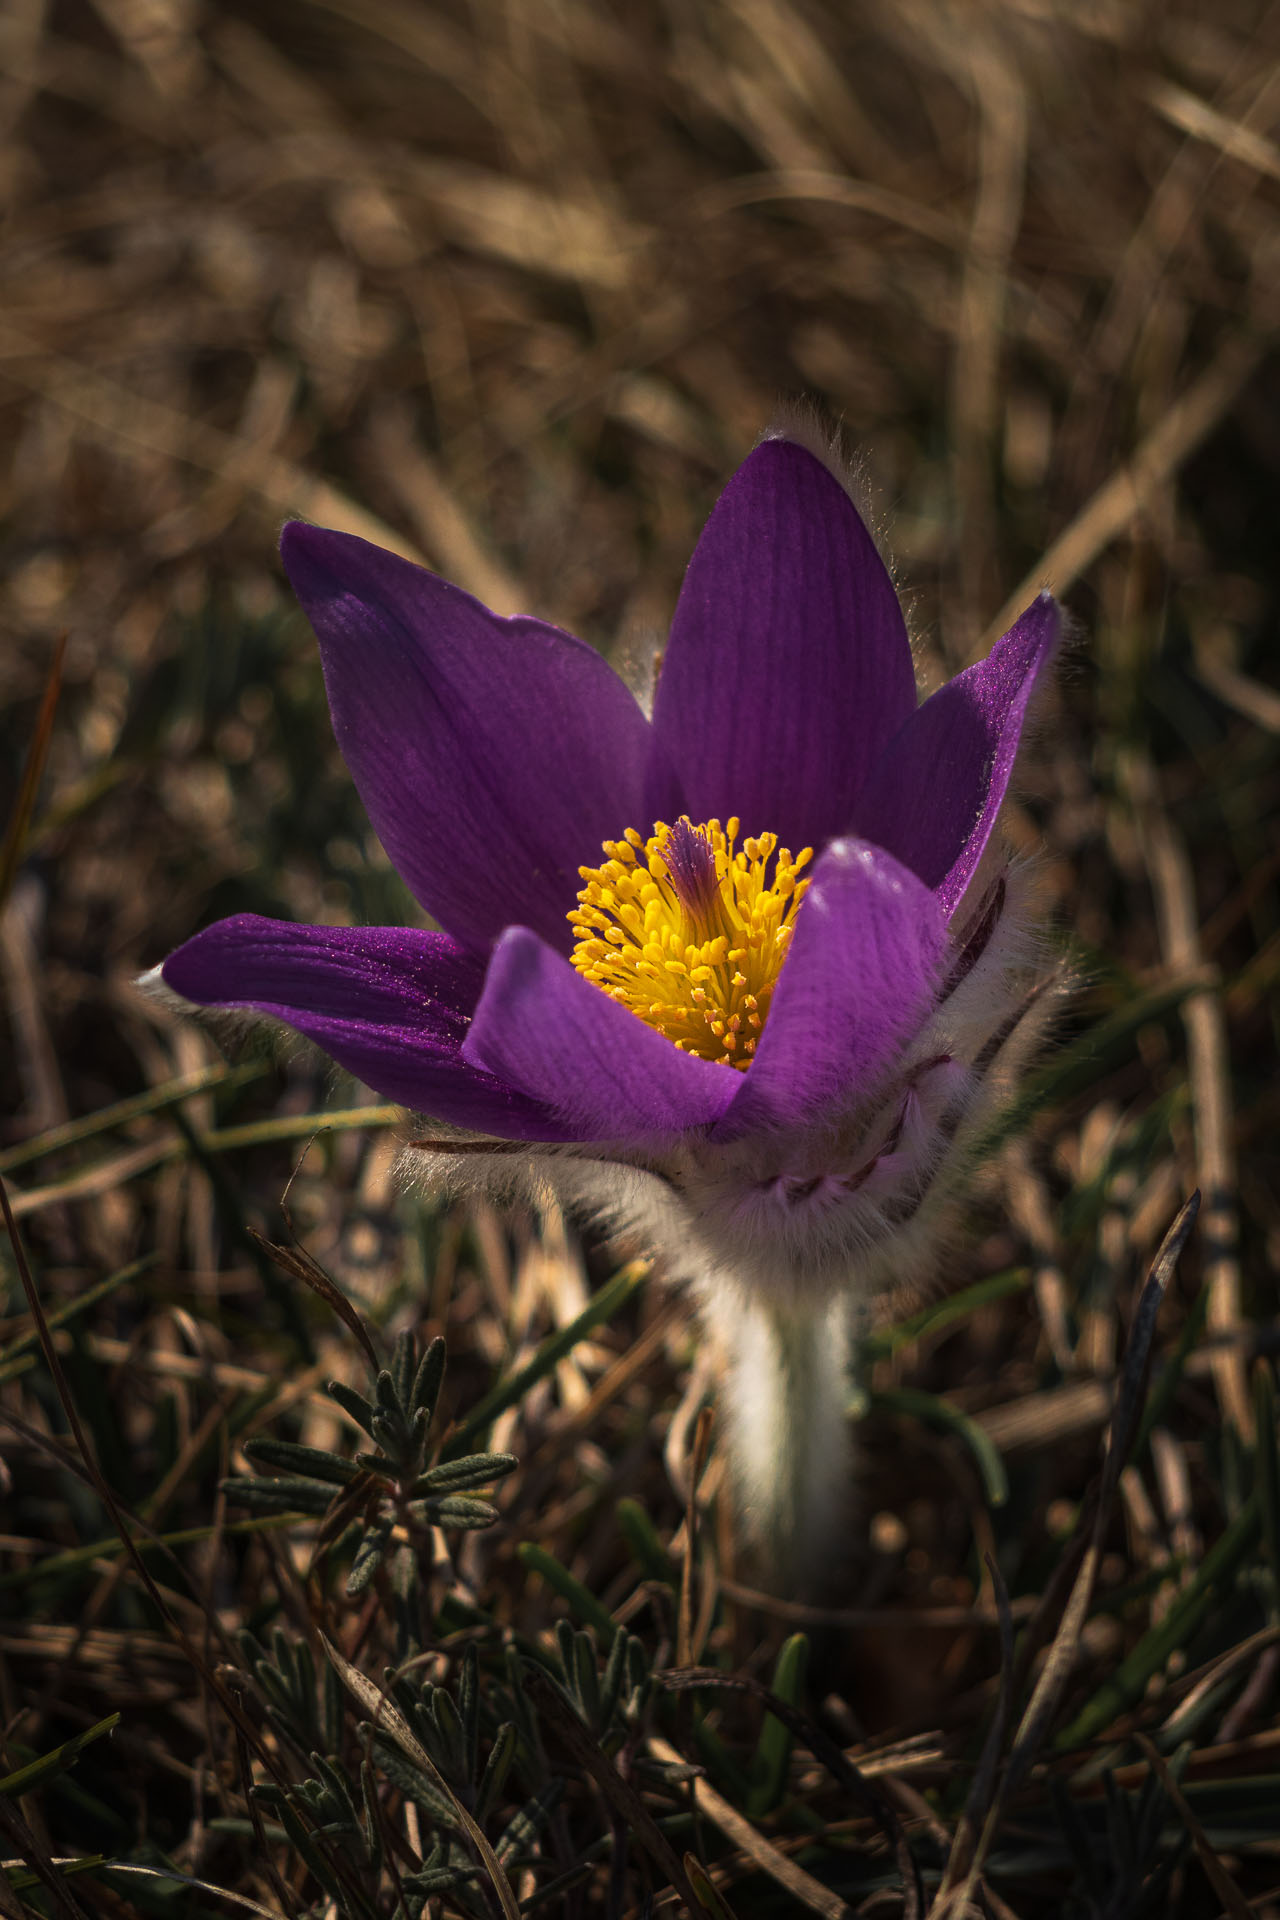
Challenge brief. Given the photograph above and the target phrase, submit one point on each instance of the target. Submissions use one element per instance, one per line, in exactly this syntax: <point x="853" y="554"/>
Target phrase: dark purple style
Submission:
<point x="691" y="865"/>
<point x="495" y="756"/>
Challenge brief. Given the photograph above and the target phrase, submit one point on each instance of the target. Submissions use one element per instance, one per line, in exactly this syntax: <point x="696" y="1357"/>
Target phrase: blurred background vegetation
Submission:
<point x="512" y="286"/>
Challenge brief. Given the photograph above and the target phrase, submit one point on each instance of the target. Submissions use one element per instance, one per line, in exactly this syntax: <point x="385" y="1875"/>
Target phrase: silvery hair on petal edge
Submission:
<point x="804" y="424"/>
<point x="235" y="1028"/>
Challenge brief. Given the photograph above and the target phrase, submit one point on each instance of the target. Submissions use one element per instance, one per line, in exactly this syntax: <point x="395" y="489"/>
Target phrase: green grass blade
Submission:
<point x="647" y="1550"/>
<point x="772" y="1761"/>
<point x="58" y="1563"/>
<point x="1161" y="1397"/>
<point x="884" y="1341"/>
<point x="122" y="1113"/>
<point x="585" y="1605"/>
<point x="57" y="1760"/>
<point x="611" y="1298"/>
<point x="1184" y="1619"/>
<point x="89" y="1298"/>
<point x="941" y="1415"/>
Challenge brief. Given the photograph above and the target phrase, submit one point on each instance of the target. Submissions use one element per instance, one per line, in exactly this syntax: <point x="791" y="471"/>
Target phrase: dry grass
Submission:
<point x="512" y="287"/>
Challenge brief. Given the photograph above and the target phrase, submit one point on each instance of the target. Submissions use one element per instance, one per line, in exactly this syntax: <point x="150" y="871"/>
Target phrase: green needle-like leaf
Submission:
<point x="315" y="1462"/>
<point x="428" y="1380"/>
<point x="496" y="1768"/>
<point x="370" y="1554"/>
<point x="280" y="1496"/>
<point x="352" y="1403"/>
<point x="458" y="1476"/>
<point x="457" y="1510"/>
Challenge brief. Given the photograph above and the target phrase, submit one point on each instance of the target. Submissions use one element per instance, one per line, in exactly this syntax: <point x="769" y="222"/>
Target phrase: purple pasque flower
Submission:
<point x="764" y="1048"/>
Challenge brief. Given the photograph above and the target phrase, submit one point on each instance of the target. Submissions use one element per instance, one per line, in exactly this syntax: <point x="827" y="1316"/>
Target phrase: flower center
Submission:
<point x="689" y="934"/>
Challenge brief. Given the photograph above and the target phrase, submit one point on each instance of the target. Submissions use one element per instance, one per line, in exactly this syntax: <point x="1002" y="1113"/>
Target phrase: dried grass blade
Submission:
<point x="1204" y="1019"/>
<point x="24" y="806"/>
<point x="976" y="400"/>
<point x="446" y="532"/>
<point x="201" y="1886"/>
<point x="1119" y="500"/>
<point x="305" y="1267"/>
<point x="34" y="1854"/>
<point x="823" y="1749"/>
<point x="709" y="1894"/>
<point x="698" y="1460"/>
<point x="1192" y="115"/>
<point x="736" y="1827"/>
<point x="1062" y="1653"/>
<point x="118" y="415"/>
<point x="979" y="1800"/>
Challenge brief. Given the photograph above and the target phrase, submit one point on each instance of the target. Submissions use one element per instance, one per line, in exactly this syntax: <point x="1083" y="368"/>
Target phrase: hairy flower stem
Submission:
<point x="786" y="1394"/>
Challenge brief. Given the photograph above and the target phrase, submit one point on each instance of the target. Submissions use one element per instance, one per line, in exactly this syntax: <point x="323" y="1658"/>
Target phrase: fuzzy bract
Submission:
<point x="769" y="1074"/>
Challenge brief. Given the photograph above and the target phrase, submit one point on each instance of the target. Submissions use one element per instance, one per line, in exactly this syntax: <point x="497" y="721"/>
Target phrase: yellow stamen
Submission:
<point x="689" y="933"/>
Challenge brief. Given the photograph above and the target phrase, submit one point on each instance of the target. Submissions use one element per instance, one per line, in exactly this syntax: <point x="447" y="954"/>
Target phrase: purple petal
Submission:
<point x="541" y="1026"/>
<point x="934" y="797"/>
<point x="493" y="756"/>
<point x="855" y="985"/>
<point x="391" y="1004"/>
<point x="788" y="668"/>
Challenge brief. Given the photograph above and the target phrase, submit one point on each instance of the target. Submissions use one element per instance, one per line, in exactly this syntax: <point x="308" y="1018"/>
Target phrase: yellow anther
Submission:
<point x="689" y="931"/>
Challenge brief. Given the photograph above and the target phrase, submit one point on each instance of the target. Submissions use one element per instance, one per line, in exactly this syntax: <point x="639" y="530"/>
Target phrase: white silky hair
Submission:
<point x="785" y="1237"/>
<point x="785" y="1377"/>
